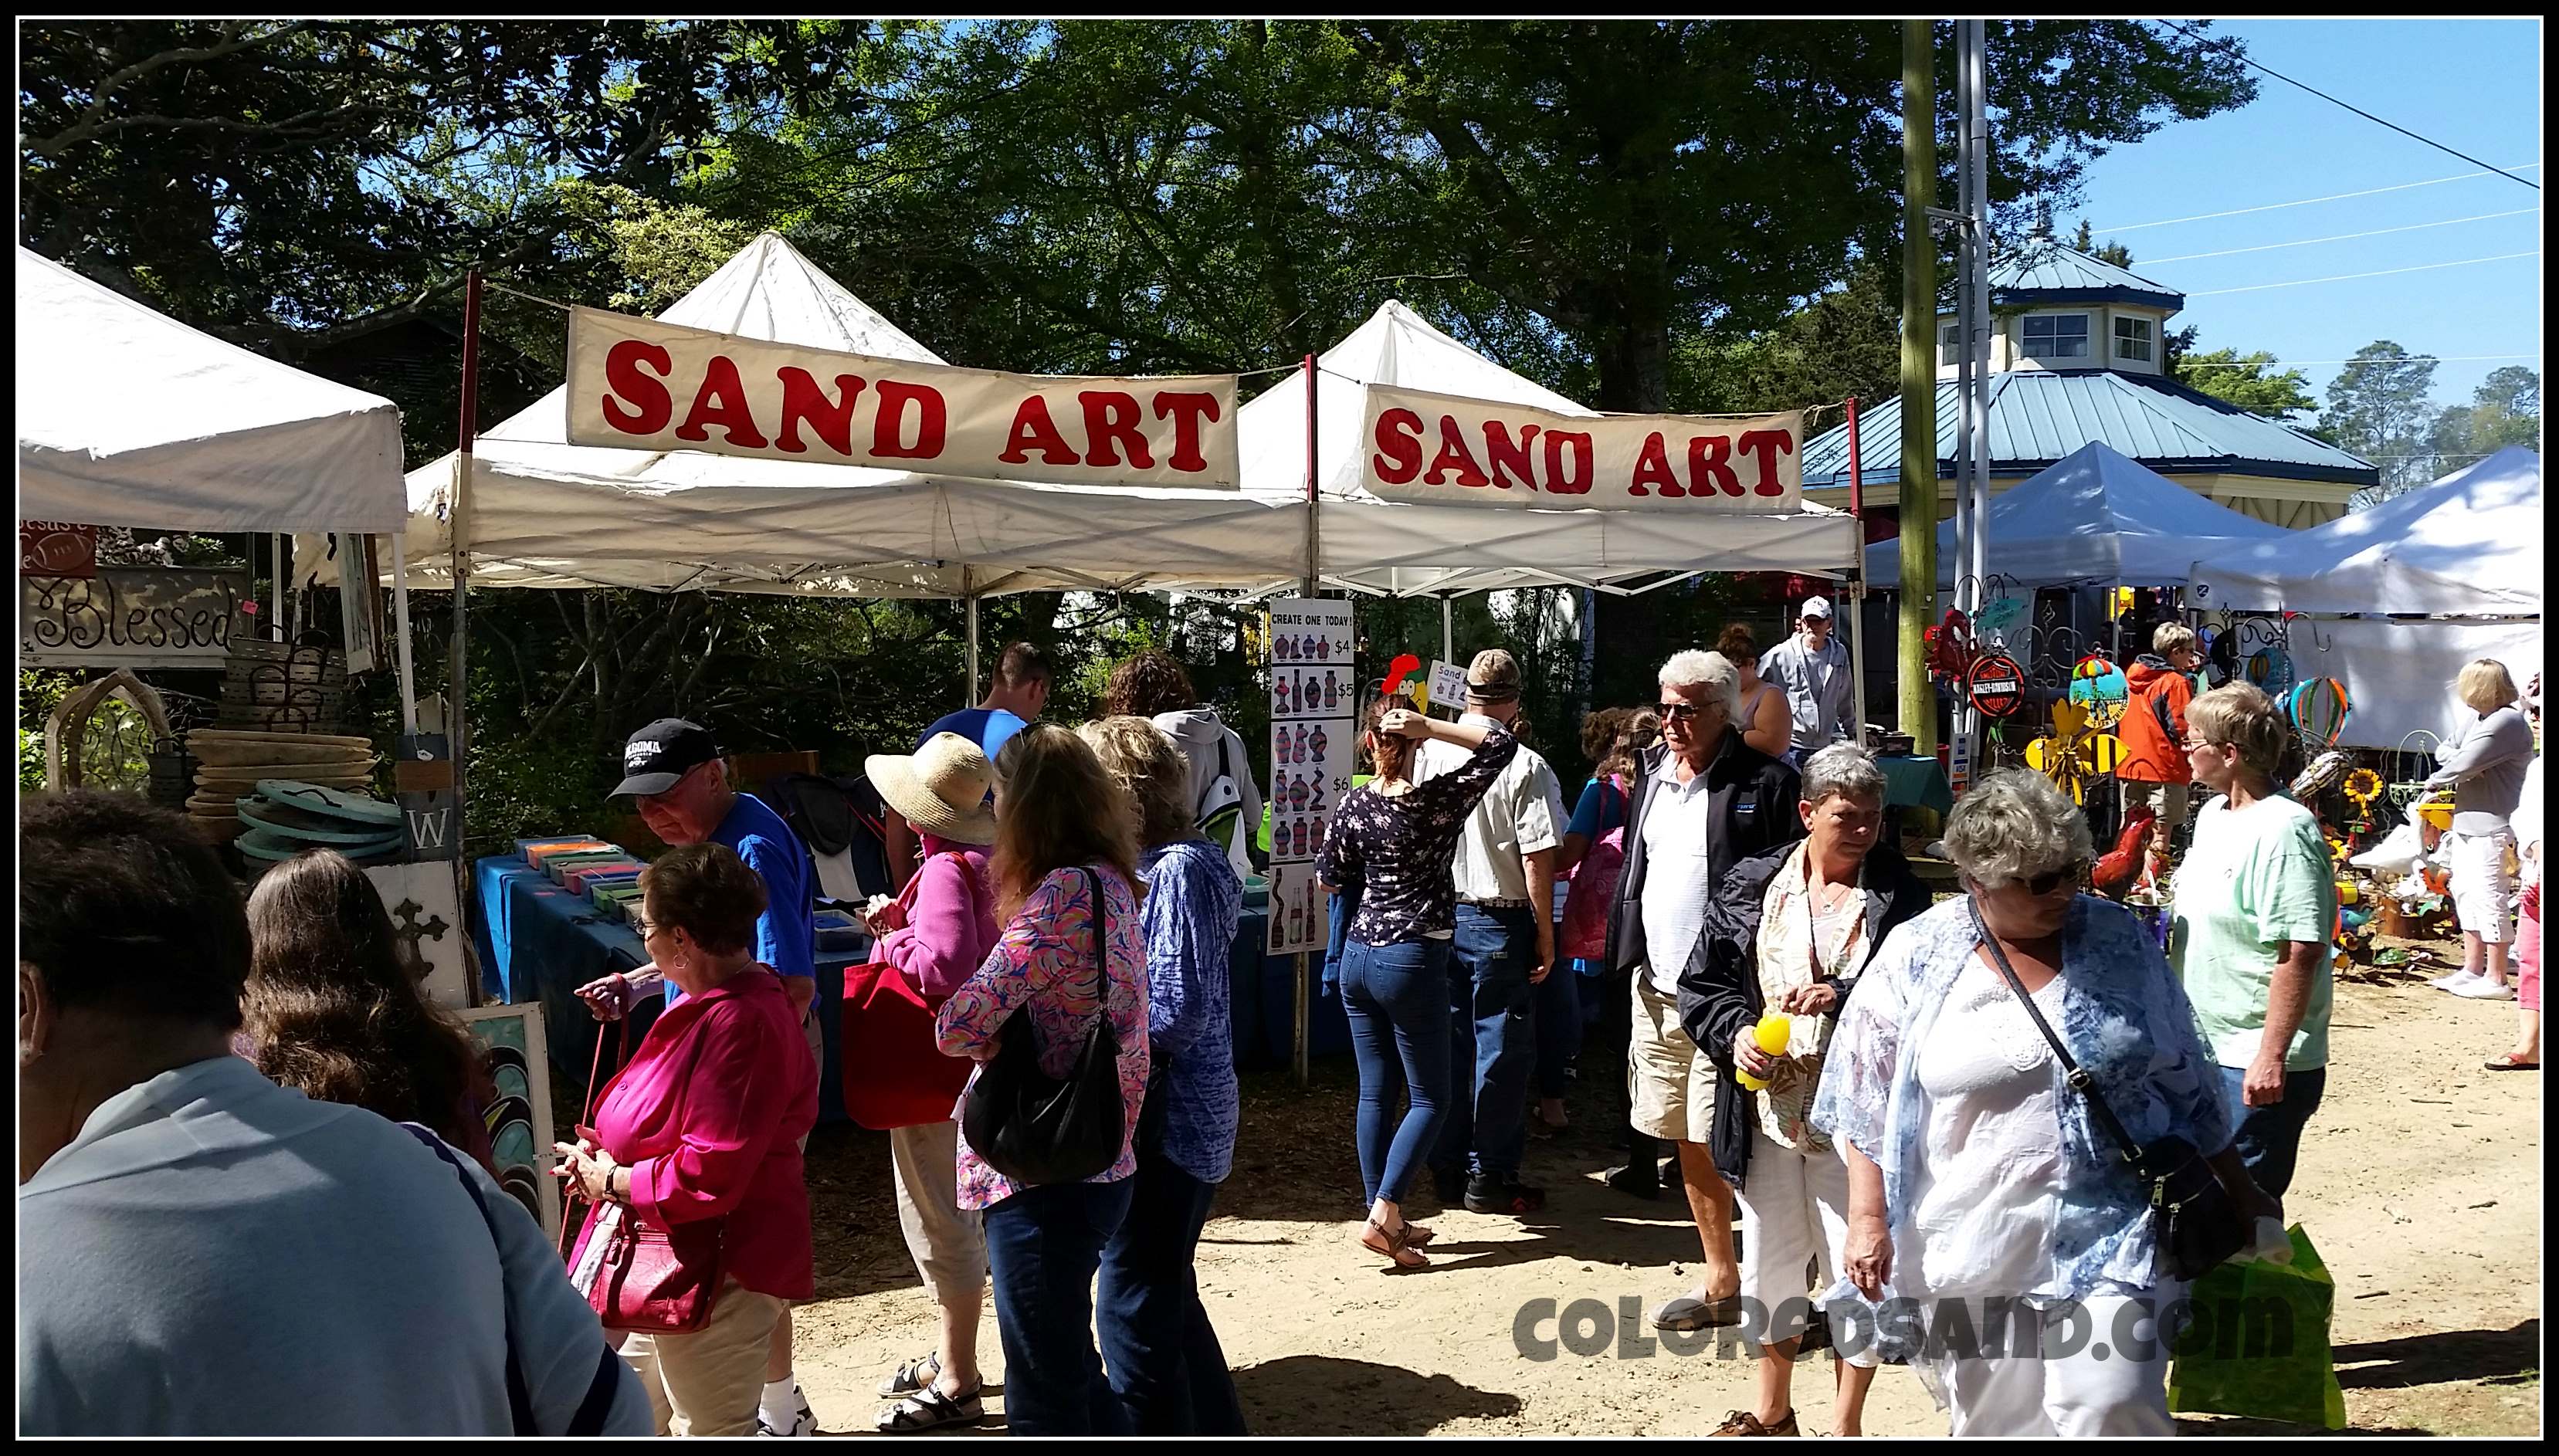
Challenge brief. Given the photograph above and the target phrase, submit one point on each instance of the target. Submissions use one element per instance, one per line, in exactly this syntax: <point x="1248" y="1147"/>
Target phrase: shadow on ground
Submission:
<point x="1316" y="1395"/>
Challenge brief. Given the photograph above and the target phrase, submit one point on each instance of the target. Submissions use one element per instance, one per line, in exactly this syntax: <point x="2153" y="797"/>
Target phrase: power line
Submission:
<point x="2340" y="238"/>
<point x="2376" y="273"/>
<point x="2190" y="364"/>
<point x="2307" y="202"/>
<point x="2350" y="106"/>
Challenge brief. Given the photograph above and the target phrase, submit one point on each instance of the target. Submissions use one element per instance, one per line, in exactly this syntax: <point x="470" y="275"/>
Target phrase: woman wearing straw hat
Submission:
<point x="935" y="934"/>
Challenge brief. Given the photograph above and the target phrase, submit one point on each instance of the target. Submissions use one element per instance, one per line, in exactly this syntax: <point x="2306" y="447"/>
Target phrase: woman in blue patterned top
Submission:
<point x="1976" y="1174"/>
<point x="1163" y="1355"/>
<point x="1396" y="840"/>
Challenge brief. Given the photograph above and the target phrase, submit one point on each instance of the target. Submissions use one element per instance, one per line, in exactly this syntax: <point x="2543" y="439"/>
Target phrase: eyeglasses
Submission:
<point x="1678" y="712"/>
<point x="648" y="928"/>
<point x="2051" y="880"/>
<point x="2190" y="745"/>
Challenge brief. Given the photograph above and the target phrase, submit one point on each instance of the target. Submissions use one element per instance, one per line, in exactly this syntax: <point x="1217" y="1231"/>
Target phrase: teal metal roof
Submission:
<point x="2046" y="272"/>
<point x="2039" y="417"/>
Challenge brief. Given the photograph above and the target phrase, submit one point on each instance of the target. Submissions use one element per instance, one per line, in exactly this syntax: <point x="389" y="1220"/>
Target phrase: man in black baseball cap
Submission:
<point x="674" y="769"/>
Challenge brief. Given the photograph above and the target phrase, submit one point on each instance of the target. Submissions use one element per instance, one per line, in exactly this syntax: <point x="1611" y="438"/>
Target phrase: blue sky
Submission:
<point x="2473" y="85"/>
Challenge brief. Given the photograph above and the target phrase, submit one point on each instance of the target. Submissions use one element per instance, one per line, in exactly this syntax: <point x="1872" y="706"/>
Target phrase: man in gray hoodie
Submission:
<point x="1225" y="802"/>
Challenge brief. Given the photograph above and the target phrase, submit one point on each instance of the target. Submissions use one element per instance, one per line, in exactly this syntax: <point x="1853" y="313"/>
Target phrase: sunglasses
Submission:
<point x="1679" y="712"/>
<point x="2051" y="880"/>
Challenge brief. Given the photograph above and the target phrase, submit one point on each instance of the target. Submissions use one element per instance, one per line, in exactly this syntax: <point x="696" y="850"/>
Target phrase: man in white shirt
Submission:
<point x="1505" y="947"/>
<point x="1811" y="668"/>
<point x="205" y="1253"/>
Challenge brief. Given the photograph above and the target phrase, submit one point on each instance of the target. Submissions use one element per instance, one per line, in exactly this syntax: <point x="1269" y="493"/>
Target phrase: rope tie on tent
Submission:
<point x="487" y="282"/>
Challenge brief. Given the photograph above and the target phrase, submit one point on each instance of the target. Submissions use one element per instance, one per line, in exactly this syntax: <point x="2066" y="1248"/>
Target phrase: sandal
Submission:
<point x="1417" y="1236"/>
<point x="914" y="1375"/>
<point x="1397" y="1245"/>
<point x="2504" y="1062"/>
<point x="929" y="1409"/>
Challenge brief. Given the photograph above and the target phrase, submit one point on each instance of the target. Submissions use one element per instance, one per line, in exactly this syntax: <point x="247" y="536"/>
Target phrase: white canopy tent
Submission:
<point x="1393" y="549"/>
<point x="2400" y="596"/>
<point x="2095" y="516"/>
<point x="127" y="417"/>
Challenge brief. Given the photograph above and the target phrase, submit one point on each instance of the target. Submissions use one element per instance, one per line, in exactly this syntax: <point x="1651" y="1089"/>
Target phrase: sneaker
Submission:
<point x="1636" y="1178"/>
<point x="2481" y="988"/>
<point x="2455" y="981"/>
<point x="802" y="1422"/>
<point x="1503" y="1196"/>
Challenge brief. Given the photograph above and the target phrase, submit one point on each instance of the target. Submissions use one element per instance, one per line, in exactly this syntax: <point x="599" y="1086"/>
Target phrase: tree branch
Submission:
<point x="83" y="127"/>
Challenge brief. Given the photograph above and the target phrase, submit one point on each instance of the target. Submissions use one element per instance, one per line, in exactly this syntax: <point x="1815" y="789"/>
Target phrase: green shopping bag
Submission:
<point x="2257" y="1342"/>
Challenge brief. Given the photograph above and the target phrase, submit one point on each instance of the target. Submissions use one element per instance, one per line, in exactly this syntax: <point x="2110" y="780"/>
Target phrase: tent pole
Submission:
<point x="1448" y="628"/>
<point x="972" y="697"/>
<point x="1300" y="1003"/>
<point x="1857" y="586"/>
<point x="457" y="716"/>
<point x="399" y="629"/>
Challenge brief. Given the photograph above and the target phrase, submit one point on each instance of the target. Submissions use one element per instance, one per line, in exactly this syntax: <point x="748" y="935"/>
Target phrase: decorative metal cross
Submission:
<point x="410" y="930"/>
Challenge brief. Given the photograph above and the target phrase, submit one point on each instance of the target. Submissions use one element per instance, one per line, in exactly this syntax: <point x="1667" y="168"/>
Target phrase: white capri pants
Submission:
<point x="948" y="1241"/>
<point x="1794" y="1211"/>
<point x="2483" y="884"/>
<point x="2080" y="1395"/>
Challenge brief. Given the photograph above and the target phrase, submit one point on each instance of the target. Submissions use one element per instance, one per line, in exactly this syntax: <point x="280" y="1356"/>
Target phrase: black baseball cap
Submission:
<point x="662" y="753"/>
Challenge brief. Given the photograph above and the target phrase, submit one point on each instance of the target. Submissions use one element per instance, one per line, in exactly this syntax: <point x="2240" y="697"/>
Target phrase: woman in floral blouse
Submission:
<point x="1396" y="839"/>
<point x="1063" y="839"/>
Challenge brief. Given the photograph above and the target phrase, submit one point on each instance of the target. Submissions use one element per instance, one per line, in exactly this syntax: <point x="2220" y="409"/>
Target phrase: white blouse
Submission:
<point x="1988" y="1196"/>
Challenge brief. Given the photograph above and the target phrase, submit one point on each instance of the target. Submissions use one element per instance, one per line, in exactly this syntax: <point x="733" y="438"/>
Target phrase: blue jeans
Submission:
<point x="1397" y="997"/>
<point x="1042" y="1247"/>
<point x="1559" y="1026"/>
<point x="1162" y="1353"/>
<point x="1491" y="1044"/>
<point x="2269" y="1140"/>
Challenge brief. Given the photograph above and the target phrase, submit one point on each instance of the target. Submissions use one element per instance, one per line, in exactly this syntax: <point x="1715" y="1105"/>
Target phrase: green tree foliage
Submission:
<point x="2110" y="252"/>
<point x="2504" y="410"/>
<point x="2247" y="380"/>
<point x="2379" y="407"/>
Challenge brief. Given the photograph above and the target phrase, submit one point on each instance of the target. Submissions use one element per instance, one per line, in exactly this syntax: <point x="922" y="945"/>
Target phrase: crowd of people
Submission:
<point x="1900" y="1099"/>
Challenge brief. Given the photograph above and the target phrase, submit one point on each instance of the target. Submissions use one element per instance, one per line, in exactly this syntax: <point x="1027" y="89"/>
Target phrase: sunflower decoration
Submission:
<point x="2362" y="787"/>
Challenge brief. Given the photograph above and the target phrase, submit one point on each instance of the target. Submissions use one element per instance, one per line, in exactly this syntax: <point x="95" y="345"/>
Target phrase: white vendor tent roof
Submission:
<point x="1399" y="547"/>
<point x="2467" y="545"/>
<point x="129" y="417"/>
<point x="546" y="512"/>
<point x="2094" y="516"/>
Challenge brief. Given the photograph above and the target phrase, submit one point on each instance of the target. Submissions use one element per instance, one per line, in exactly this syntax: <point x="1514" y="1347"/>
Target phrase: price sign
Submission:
<point x="1448" y="689"/>
<point x="1314" y="693"/>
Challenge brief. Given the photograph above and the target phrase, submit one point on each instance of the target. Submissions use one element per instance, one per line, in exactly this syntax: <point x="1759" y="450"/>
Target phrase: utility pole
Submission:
<point x="1918" y="491"/>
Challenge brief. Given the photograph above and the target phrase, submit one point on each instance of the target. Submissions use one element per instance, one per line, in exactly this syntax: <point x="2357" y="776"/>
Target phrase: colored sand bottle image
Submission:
<point x="1316" y="742"/>
<point x="1323" y="650"/>
<point x="1302" y="744"/>
<point x="1308" y="647"/>
<point x="1330" y="699"/>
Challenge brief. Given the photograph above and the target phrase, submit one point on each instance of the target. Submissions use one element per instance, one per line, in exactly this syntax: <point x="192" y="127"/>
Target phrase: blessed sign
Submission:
<point x="1420" y="446"/>
<point x="640" y="385"/>
<point x="130" y="617"/>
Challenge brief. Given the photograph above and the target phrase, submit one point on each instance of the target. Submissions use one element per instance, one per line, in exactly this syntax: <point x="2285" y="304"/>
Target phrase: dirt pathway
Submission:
<point x="2420" y="1180"/>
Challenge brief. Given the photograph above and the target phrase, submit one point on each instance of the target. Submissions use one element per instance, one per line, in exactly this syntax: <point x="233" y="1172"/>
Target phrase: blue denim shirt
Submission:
<point x="1193" y="900"/>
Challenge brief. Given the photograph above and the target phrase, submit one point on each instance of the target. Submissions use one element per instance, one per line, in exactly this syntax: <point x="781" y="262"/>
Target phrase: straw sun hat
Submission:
<point x="931" y="786"/>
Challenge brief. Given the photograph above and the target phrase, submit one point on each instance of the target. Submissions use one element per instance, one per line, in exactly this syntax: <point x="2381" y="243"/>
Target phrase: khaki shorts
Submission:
<point x="2168" y="801"/>
<point x="1670" y="1084"/>
<point x="709" y="1382"/>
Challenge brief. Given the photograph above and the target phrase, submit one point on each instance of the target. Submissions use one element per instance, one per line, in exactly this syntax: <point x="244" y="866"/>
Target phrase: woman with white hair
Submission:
<point x="2483" y="764"/>
<point x="1789" y="931"/>
<point x="1978" y="1173"/>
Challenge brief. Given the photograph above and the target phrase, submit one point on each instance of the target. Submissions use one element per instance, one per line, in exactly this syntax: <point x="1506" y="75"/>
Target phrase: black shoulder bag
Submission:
<point x="2192" y="1216"/>
<point x="1036" y="1129"/>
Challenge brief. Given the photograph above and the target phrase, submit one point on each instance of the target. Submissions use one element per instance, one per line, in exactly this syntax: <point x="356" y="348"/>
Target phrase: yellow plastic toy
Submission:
<point x="1771" y="1034"/>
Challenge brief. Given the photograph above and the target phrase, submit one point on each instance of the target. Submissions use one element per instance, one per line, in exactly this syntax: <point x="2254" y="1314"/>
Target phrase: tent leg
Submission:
<point x="1448" y="628"/>
<point x="973" y="654"/>
<point x="399" y="634"/>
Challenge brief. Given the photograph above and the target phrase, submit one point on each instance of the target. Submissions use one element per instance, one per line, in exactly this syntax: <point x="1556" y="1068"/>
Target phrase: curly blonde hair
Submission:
<point x="1150" y="772"/>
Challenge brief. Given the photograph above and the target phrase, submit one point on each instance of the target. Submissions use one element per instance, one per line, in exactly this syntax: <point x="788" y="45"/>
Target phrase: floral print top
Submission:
<point x="1044" y="960"/>
<point x="1399" y="850"/>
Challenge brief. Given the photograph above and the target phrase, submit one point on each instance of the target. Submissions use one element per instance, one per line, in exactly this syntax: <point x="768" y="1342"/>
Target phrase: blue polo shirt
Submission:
<point x="785" y="935"/>
<point x="989" y="728"/>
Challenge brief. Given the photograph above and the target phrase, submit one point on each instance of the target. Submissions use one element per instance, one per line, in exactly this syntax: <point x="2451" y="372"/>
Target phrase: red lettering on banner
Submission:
<point x="1186" y="412"/>
<point x="1709" y="459"/>
<point x="1033" y="429"/>
<point x="804" y="400"/>
<point x="1452" y="453"/>
<point x="1766" y="445"/>
<point x="721" y="403"/>
<point x="1506" y="457"/>
<point x="932" y="421"/>
<point x="1653" y="468"/>
<point x="622" y="375"/>
<point x="1399" y="446"/>
<point x="1577" y="483"/>
<point x="1114" y="418"/>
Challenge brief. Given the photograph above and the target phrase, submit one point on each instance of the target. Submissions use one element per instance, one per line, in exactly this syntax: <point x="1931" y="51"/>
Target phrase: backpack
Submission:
<point x="842" y="823"/>
<point x="1585" y="931"/>
<point x="1219" y="814"/>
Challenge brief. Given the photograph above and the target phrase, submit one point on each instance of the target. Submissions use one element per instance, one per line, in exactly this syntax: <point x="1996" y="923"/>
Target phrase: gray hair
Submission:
<point x="1712" y="672"/>
<point x="1842" y="768"/>
<point x="2015" y="826"/>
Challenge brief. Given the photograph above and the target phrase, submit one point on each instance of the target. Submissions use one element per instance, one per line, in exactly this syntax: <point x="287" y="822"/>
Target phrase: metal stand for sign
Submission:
<point x="1304" y="996"/>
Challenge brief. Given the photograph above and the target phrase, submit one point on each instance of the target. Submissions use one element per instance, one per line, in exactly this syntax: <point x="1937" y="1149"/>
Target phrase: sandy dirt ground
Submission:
<point x="2420" y="1180"/>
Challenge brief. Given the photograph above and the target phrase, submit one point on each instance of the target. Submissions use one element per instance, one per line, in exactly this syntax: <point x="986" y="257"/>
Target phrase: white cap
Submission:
<point x="1815" y="607"/>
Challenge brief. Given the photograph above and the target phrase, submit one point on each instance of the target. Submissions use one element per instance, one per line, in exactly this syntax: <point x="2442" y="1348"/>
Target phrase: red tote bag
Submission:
<point x="895" y="1073"/>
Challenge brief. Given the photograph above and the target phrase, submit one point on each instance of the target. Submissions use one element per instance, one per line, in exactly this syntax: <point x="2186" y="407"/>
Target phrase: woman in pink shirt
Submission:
<point x="705" y="1124"/>
<point x="936" y="933"/>
<point x="1065" y="848"/>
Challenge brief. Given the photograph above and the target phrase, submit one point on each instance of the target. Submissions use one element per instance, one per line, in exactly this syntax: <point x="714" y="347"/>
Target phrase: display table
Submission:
<point x="1264" y="1012"/>
<point x="539" y="942"/>
<point x="1915" y="783"/>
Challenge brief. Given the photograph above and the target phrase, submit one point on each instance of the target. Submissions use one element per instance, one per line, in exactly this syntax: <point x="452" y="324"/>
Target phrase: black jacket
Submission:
<point x="1751" y="798"/>
<point x="1718" y="992"/>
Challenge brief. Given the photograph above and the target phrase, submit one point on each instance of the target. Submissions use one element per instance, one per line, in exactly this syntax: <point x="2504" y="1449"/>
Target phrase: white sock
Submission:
<point x="782" y="1399"/>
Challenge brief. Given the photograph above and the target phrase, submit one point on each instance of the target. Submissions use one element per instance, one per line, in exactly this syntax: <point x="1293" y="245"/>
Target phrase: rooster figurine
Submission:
<point x="2116" y="872"/>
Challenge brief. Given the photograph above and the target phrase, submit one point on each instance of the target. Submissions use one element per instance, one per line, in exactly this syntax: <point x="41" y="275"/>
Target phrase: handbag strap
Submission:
<point x="2077" y="1075"/>
<point x="594" y="1075"/>
<point x="519" y="1403"/>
